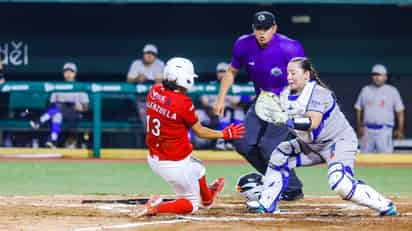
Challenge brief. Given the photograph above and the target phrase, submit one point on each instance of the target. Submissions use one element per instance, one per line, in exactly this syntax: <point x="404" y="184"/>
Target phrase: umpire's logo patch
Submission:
<point x="261" y="17"/>
<point x="276" y="71"/>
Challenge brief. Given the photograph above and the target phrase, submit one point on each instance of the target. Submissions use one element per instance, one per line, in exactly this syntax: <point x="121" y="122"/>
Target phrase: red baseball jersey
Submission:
<point x="170" y="115"/>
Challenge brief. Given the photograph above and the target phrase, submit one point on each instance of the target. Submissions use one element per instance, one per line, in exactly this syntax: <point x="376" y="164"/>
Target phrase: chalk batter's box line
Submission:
<point x="130" y="225"/>
<point x="136" y="201"/>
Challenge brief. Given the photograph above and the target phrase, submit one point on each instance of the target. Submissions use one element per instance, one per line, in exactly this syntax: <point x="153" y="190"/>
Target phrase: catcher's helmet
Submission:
<point x="250" y="186"/>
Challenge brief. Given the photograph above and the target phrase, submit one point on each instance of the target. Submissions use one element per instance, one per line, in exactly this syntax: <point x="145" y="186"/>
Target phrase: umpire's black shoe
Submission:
<point x="292" y="195"/>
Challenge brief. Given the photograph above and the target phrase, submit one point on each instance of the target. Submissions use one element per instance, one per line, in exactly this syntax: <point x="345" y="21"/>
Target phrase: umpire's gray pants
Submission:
<point x="260" y="140"/>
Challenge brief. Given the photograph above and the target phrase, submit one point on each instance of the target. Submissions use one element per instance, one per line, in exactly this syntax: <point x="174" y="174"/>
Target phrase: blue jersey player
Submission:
<point x="264" y="55"/>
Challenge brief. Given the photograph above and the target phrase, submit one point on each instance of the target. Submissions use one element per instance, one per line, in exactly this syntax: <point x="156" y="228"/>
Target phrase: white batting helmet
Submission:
<point x="250" y="186"/>
<point x="180" y="71"/>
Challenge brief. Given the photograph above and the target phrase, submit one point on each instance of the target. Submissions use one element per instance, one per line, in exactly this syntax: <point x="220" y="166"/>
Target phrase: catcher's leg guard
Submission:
<point x="274" y="183"/>
<point x="341" y="181"/>
<point x="277" y="176"/>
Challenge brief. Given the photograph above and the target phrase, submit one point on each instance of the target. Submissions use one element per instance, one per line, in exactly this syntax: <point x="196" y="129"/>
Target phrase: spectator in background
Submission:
<point x="375" y="109"/>
<point x="147" y="70"/>
<point x="65" y="106"/>
<point x="234" y="110"/>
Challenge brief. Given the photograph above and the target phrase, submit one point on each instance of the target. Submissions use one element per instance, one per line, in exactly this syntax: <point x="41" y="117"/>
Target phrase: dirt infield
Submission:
<point x="313" y="213"/>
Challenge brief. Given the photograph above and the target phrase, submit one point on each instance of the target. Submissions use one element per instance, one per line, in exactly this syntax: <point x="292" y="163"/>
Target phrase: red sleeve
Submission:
<point x="189" y="113"/>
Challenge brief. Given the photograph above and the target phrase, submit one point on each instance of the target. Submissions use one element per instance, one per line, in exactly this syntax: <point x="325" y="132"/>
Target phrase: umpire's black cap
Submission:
<point x="263" y="20"/>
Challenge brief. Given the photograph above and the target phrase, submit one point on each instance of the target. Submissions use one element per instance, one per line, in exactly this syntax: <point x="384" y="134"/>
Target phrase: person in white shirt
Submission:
<point x="149" y="68"/>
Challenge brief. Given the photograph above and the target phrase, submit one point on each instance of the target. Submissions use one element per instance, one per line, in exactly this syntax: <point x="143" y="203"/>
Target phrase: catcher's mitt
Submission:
<point x="268" y="108"/>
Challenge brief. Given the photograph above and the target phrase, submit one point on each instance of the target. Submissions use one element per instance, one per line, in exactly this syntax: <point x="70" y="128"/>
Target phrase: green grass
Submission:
<point x="31" y="178"/>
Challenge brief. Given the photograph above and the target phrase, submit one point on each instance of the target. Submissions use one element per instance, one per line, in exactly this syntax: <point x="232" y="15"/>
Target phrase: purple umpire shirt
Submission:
<point x="266" y="67"/>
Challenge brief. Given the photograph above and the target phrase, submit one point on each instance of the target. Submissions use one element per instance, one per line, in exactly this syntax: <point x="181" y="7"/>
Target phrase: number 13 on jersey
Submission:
<point x="153" y="125"/>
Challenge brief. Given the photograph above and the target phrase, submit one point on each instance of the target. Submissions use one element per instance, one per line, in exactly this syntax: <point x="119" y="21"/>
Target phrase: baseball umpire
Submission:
<point x="264" y="55"/>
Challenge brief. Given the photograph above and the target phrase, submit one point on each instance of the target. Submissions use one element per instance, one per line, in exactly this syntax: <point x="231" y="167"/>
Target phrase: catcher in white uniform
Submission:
<point x="323" y="135"/>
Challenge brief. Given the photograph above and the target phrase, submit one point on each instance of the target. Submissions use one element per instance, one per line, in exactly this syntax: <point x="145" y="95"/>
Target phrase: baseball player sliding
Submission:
<point x="323" y="134"/>
<point x="170" y="115"/>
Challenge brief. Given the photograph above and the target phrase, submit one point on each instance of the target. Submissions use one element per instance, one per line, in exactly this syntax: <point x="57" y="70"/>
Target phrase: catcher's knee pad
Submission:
<point x="289" y="148"/>
<point x="278" y="161"/>
<point x="285" y="150"/>
<point x="280" y="156"/>
<point x="340" y="180"/>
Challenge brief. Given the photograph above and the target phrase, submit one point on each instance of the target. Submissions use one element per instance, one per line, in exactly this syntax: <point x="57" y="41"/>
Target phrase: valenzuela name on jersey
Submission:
<point x="159" y="109"/>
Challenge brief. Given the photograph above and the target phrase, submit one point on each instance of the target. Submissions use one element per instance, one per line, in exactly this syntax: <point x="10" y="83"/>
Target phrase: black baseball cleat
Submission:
<point x="292" y="195"/>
